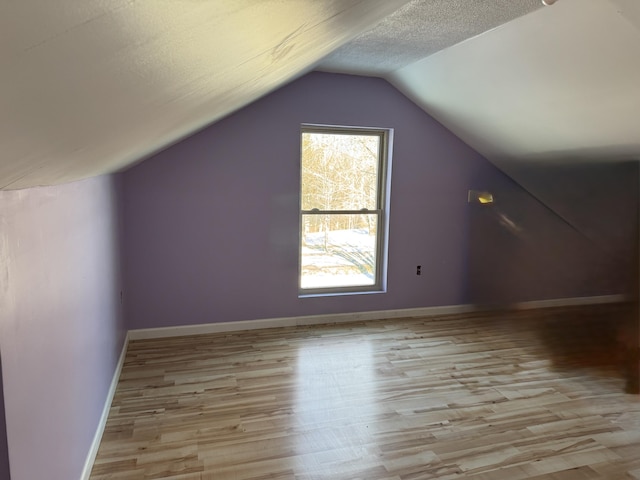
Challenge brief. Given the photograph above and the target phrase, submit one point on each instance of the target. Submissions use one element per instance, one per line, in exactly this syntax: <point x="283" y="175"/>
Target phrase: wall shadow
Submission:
<point x="571" y="233"/>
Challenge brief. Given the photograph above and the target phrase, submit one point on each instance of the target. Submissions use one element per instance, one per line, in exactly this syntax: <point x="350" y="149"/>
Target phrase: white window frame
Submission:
<point x="381" y="211"/>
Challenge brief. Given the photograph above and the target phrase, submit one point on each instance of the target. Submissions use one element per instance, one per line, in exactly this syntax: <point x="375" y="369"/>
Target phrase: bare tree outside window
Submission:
<point x="342" y="215"/>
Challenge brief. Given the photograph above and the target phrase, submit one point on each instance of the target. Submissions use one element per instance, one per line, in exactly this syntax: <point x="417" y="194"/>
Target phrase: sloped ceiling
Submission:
<point x="88" y="87"/>
<point x="562" y="82"/>
<point x="91" y="87"/>
<point x="419" y="29"/>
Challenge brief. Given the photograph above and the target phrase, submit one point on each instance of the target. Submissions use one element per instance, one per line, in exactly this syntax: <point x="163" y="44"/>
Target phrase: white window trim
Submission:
<point x="383" y="210"/>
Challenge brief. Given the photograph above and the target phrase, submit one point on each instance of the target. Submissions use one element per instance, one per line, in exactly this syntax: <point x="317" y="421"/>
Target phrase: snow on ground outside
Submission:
<point x="323" y="269"/>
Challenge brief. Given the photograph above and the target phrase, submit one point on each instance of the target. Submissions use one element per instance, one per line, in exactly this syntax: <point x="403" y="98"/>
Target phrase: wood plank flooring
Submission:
<point x="520" y="395"/>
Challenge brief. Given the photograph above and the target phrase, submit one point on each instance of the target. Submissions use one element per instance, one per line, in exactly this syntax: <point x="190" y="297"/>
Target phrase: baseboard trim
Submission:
<point x="572" y="302"/>
<point x="222" y="327"/>
<point x="97" y="438"/>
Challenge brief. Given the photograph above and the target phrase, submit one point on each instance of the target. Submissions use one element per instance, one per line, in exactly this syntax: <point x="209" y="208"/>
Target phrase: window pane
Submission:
<point x="338" y="250"/>
<point x="339" y="172"/>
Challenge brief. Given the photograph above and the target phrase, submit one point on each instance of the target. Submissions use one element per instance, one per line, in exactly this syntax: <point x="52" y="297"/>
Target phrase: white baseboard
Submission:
<point x="572" y="302"/>
<point x="220" y="327"/>
<point x="95" y="444"/>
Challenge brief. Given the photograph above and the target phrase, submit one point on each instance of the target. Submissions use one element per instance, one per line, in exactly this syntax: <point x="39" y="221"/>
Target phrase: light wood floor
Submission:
<point x="535" y="395"/>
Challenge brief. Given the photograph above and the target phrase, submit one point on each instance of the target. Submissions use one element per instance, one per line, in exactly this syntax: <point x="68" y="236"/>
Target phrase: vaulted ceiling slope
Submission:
<point x="419" y="29"/>
<point x="91" y="87"/>
<point x="562" y="83"/>
<point x="88" y="87"/>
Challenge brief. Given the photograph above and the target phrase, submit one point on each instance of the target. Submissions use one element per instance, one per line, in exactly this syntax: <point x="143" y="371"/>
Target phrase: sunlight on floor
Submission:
<point x="335" y="385"/>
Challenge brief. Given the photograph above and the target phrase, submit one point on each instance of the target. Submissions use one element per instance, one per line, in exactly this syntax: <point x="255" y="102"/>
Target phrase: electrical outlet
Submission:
<point x="419" y="270"/>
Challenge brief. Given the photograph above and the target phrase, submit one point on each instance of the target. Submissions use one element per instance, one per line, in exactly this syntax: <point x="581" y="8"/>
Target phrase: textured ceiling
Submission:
<point x="560" y="83"/>
<point x="91" y="87"/>
<point x="88" y="87"/>
<point x="420" y="28"/>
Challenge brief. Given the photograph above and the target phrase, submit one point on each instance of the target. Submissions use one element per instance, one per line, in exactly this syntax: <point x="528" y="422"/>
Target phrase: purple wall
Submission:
<point x="211" y="224"/>
<point x="576" y="237"/>
<point x="61" y="329"/>
<point x="598" y="198"/>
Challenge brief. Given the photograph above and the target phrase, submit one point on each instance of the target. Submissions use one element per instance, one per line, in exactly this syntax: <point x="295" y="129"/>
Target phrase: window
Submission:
<point x="343" y="209"/>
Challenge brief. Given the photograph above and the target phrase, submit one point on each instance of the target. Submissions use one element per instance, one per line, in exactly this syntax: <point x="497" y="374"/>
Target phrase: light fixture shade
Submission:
<point x="548" y="2"/>
<point x="483" y="198"/>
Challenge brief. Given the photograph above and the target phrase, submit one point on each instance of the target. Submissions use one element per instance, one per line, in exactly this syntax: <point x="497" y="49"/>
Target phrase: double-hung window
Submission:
<point x="343" y="209"/>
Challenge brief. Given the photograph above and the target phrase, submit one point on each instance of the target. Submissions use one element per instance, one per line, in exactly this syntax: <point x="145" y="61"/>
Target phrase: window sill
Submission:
<point x="338" y="294"/>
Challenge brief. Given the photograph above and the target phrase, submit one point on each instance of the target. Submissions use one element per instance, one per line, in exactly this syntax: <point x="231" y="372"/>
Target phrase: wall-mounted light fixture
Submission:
<point x="548" y="2"/>
<point x="476" y="196"/>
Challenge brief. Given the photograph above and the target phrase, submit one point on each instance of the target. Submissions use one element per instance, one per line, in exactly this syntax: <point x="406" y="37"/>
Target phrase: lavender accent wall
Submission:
<point x="211" y="224"/>
<point x="572" y="233"/>
<point x="61" y="329"/>
<point x="598" y="197"/>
